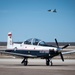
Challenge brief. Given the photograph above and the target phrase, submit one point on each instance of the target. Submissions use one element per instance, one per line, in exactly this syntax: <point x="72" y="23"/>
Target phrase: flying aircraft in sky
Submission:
<point x="50" y="10"/>
<point x="34" y="48"/>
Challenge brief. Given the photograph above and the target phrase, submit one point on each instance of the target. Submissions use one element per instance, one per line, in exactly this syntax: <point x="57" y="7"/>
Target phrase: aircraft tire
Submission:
<point x="25" y="63"/>
<point x="47" y="62"/>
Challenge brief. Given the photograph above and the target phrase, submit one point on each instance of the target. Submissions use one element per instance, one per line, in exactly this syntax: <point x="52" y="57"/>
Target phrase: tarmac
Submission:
<point x="9" y="65"/>
<point x="37" y="67"/>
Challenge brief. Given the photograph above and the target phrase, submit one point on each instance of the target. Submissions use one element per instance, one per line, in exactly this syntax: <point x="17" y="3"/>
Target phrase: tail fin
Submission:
<point x="54" y="10"/>
<point x="9" y="40"/>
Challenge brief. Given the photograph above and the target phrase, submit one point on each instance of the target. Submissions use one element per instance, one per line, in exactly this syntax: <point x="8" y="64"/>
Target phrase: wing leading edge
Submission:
<point x="69" y="52"/>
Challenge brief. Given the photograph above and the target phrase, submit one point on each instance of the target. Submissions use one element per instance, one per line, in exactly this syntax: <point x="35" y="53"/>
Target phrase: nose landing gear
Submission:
<point x="49" y="62"/>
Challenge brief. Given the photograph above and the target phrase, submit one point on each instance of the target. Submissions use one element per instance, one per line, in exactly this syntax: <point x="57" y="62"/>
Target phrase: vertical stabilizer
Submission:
<point x="9" y="40"/>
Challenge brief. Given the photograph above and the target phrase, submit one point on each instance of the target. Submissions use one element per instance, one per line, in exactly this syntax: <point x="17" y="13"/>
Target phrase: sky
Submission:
<point x="31" y="19"/>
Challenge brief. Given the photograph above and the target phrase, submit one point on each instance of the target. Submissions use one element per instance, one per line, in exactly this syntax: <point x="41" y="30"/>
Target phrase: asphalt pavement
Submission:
<point x="37" y="67"/>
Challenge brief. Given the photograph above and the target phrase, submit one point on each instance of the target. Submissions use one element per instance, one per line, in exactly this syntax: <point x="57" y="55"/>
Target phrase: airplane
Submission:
<point x="50" y="10"/>
<point x="34" y="48"/>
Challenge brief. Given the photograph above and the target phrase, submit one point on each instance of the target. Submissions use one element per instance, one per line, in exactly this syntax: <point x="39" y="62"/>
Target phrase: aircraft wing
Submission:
<point x="69" y="52"/>
<point x="18" y="54"/>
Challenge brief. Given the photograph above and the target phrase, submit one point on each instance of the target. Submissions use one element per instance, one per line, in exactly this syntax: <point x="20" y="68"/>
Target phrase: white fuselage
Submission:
<point x="30" y="47"/>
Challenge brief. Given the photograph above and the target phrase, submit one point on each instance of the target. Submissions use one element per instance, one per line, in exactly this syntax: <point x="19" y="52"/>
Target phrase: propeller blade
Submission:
<point x="59" y="49"/>
<point x="56" y="42"/>
<point x="61" y="56"/>
<point x="66" y="46"/>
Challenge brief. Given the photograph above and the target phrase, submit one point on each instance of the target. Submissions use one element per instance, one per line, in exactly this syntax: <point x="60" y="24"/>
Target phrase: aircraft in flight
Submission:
<point x="50" y="10"/>
<point x="34" y="48"/>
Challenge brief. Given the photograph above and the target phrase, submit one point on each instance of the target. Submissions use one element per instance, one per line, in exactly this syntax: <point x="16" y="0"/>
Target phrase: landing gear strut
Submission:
<point x="25" y="61"/>
<point x="49" y="62"/>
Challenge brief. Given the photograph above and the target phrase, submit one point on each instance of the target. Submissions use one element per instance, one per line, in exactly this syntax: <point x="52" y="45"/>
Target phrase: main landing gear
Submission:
<point x="25" y="61"/>
<point x="49" y="62"/>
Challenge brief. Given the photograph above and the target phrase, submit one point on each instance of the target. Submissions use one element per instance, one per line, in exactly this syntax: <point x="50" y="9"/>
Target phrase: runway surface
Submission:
<point x="37" y="67"/>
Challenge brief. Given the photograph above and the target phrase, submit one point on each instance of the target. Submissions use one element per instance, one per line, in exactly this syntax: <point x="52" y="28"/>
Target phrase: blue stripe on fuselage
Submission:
<point x="30" y="52"/>
<point x="37" y="53"/>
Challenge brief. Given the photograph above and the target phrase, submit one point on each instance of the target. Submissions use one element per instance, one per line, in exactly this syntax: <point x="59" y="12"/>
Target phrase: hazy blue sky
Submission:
<point x="30" y="18"/>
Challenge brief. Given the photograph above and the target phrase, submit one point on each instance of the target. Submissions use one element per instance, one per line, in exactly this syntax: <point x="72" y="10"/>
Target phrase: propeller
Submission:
<point x="56" y="43"/>
<point x="60" y="48"/>
<point x="66" y="46"/>
<point x="61" y="56"/>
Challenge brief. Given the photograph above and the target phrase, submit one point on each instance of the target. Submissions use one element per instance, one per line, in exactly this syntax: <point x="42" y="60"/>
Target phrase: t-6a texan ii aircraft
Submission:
<point x="34" y="48"/>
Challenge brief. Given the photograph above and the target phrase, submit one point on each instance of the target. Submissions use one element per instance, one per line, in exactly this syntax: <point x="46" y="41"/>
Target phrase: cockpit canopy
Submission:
<point x="35" y="41"/>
